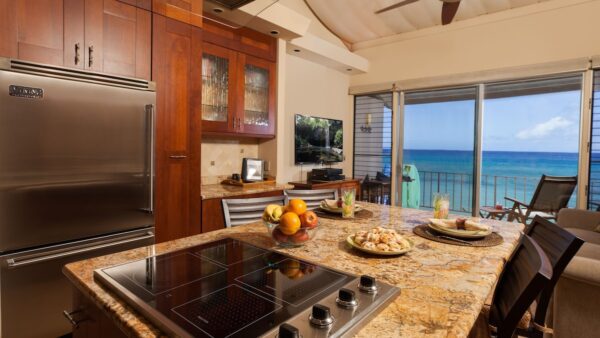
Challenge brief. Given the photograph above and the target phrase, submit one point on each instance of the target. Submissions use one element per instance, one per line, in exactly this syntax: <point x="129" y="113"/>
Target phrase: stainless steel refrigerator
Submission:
<point x="76" y="181"/>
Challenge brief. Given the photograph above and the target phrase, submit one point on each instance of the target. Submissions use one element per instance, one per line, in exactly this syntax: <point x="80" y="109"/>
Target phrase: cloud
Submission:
<point x="544" y="129"/>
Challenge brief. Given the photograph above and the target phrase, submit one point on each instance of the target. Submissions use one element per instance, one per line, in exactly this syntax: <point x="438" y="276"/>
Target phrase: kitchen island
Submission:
<point x="443" y="286"/>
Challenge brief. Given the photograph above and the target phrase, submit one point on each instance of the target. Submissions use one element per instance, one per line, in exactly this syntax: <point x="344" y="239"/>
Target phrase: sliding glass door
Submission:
<point x="530" y="128"/>
<point x="438" y="148"/>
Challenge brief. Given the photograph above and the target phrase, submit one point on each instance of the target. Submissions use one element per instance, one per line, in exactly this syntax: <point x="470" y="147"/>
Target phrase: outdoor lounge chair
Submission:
<point x="551" y="195"/>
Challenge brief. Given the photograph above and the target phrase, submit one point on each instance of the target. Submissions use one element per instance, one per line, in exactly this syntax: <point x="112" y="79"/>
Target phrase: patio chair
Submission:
<point x="312" y="198"/>
<point x="551" y="195"/>
<point x="240" y="211"/>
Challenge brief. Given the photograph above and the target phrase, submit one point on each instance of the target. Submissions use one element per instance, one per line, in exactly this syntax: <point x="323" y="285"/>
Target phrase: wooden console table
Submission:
<point x="314" y="185"/>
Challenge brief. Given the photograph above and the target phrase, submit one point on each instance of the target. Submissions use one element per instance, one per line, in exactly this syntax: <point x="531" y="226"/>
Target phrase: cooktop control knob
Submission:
<point x="320" y="316"/>
<point x="367" y="284"/>
<point x="346" y="298"/>
<point x="288" y="331"/>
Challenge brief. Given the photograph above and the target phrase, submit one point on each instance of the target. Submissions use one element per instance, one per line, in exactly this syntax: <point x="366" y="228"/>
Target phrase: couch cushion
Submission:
<point x="587" y="235"/>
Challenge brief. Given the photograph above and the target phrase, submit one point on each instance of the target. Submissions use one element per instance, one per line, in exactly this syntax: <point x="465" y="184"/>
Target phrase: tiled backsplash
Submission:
<point x="223" y="157"/>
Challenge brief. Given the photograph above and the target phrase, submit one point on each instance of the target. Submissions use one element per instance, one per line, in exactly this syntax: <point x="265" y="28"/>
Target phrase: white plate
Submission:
<point x="339" y="210"/>
<point x="460" y="233"/>
<point x="350" y="240"/>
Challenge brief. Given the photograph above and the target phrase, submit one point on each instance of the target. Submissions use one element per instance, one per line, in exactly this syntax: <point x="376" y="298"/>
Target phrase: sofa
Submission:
<point x="576" y="301"/>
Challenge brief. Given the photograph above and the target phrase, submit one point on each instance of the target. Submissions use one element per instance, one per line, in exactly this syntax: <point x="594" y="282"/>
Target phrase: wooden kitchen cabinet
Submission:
<point x="100" y="35"/>
<point x="176" y="67"/>
<point x="238" y="82"/>
<point x="188" y="11"/>
<point x="91" y="321"/>
<point x="32" y="30"/>
<point x="117" y="38"/>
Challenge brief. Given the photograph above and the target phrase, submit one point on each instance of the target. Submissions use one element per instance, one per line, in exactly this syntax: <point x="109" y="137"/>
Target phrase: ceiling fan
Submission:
<point x="449" y="9"/>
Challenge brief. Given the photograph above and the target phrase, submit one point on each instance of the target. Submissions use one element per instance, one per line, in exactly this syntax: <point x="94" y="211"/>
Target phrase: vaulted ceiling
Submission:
<point x="356" y="21"/>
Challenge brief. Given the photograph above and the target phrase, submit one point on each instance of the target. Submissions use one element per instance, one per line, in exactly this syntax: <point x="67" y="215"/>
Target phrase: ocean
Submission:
<point x="504" y="173"/>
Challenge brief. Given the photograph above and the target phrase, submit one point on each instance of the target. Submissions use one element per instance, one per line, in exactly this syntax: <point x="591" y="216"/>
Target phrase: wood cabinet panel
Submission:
<point x="117" y="38"/>
<point x="212" y="210"/>
<point x="176" y="69"/>
<point x="8" y="29"/>
<point x="93" y="322"/>
<point x="74" y="38"/>
<point x="39" y="30"/>
<point x="187" y="11"/>
<point x="243" y="40"/>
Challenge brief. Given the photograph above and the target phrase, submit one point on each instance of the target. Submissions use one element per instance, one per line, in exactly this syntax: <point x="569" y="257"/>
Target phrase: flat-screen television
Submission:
<point x="318" y="140"/>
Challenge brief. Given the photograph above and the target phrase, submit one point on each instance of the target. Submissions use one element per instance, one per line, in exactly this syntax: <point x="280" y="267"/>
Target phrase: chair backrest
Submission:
<point x="553" y="193"/>
<point x="312" y="198"/>
<point x="247" y="210"/>
<point x="560" y="246"/>
<point x="525" y="275"/>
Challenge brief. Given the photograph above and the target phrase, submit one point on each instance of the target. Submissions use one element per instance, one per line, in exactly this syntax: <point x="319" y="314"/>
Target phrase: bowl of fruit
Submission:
<point x="291" y="225"/>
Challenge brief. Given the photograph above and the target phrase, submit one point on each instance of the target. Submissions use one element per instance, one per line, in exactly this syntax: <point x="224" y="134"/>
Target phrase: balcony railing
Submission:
<point x="459" y="187"/>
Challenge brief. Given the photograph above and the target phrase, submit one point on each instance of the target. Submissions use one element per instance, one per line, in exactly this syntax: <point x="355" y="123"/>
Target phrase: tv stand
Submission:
<point x="315" y="185"/>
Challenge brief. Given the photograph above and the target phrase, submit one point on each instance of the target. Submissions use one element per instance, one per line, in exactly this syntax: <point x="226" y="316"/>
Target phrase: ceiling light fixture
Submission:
<point x="274" y="32"/>
<point x="297" y="50"/>
<point x="218" y="10"/>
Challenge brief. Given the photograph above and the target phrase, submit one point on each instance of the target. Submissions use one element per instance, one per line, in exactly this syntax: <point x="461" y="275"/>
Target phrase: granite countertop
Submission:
<point x="443" y="286"/>
<point x="221" y="190"/>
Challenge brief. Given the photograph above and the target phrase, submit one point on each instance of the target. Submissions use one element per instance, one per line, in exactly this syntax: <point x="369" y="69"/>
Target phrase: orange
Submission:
<point x="297" y="206"/>
<point x="289" y="223"/>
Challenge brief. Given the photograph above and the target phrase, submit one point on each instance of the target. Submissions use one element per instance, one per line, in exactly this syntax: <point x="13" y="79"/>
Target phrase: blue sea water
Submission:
<point x="504" y="173"/>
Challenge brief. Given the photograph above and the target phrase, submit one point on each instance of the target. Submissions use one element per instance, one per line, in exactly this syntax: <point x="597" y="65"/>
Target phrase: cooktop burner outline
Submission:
<point x="320" y="272"/>
<point x="144" y="287"/>
<point x="205" y="252"/>
<point x="276" y="307"/>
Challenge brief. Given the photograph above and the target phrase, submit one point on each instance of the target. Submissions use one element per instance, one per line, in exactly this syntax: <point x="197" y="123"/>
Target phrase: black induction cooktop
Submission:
<point x="229" y="288"/>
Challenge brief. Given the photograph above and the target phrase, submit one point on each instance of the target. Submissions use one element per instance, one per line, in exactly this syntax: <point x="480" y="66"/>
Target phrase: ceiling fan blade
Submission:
<point x="400" y="4"/>
<point x="449" y="10"/>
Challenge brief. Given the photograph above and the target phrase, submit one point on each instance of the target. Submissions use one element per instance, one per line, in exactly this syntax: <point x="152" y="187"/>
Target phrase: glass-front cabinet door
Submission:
<point x="257" y="110"/>
<point x="218" y="95"/>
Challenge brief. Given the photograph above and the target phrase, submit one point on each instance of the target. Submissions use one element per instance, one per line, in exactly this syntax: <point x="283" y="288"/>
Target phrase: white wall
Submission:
<point x="558" y="30"/>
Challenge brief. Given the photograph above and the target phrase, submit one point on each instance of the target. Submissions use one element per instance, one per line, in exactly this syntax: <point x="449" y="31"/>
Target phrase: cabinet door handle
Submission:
<point x="77" y="56"/>
<point x="91" y="55"/>
<point x="177" y="157"/>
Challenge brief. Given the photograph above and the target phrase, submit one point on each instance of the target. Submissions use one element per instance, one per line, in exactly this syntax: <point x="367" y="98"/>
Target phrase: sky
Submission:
<point x="543" y="122"/>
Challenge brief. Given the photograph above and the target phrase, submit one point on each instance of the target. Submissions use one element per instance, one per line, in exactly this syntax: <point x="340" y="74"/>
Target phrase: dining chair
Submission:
<point x="551" y="195"/>
<point x="238" y="211"/>
<point x="312" y="198"/>
<point x="560" y="246"/>
<point x="525" y="275"/>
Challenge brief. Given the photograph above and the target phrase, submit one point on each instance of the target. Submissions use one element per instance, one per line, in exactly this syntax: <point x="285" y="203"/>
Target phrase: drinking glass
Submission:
<point x="348" y="199"/>
<point x="441" y="205"/>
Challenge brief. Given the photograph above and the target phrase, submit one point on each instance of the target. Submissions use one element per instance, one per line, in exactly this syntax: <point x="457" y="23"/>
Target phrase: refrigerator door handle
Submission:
<point x="15" y="262"/>
<point x="152" y="118"/>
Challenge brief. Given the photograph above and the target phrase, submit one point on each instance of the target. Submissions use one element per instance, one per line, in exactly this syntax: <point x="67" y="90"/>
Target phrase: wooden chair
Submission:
<point x="312" y="198"/>
<point x="247" y="210"/>
<point x="560" y="246"/>
<point x="551" y="195"/>
<point x="526" y="274"/>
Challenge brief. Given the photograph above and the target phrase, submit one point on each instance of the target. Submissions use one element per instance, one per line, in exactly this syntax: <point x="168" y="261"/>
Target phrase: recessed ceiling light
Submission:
<point x="217" y="10"/>
<point x="297" y="50"/>
<point x="274" y="32"/>
<point x="349" y="69"/>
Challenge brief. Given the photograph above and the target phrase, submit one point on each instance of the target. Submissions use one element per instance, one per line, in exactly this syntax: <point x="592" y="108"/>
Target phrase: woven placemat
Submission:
<point x="492" y="239"/>
<point x="361" y="214"/>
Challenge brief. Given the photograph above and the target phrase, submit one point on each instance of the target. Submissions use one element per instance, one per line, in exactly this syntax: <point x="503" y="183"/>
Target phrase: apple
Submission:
<point x="339" y="203"/>
<point x="309" y="220"/>
<point x="300" y="237"/>
<point x="279" y="236"/>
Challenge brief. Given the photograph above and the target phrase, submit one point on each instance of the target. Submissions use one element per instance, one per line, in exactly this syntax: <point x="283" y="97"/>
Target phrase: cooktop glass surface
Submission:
<point x="226" y="288"/>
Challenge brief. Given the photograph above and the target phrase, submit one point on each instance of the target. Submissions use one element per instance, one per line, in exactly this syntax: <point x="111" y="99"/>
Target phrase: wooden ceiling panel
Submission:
<point x="355" y="20"/>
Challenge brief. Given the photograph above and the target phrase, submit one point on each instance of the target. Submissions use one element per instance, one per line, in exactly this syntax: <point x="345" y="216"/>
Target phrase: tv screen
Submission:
<point x="318" y="140"/>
